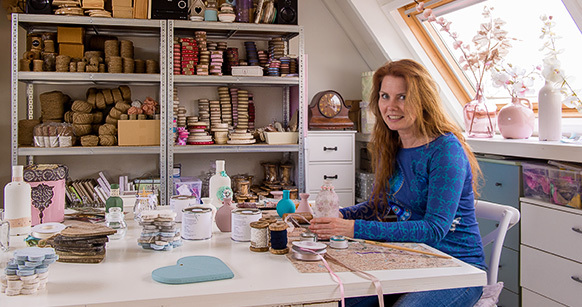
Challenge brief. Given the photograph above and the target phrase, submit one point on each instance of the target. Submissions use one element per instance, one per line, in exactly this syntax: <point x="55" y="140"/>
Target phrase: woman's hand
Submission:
<point x="326" y="227"/>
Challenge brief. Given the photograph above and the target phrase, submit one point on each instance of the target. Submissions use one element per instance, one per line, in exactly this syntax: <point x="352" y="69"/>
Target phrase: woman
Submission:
<point x="424" y="173"/>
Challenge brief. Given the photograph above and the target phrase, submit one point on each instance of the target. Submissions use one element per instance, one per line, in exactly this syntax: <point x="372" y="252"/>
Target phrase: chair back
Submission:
<point x="506" y="216"/>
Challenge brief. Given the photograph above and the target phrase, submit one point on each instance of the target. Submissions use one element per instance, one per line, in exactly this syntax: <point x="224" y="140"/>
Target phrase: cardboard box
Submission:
<point x="140" y="9"/>
<point x="138" y="132"/>
<point x="72" y="50"/>
<point x="122" y="12"/>
<point x="121" y="3"/>
<point x="71" y="35"/>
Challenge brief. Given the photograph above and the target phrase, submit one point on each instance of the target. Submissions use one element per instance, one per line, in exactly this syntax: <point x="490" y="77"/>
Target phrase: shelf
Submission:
<point x="40" y="23"/>
<point x="192" y="80"/>
<point x="221" y="30"/>
<point x="527" y="148"/>
<point x="235" y="148"/>
<point x="47" y="77"/>
<point x="98" y="150"/>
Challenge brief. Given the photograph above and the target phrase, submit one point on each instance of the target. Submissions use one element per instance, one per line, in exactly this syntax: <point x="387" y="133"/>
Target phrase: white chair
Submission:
<point x="506" y="217"/>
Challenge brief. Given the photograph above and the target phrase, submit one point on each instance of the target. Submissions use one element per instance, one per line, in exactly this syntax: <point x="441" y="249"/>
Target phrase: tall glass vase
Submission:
<point x="480" y="116"/>
<point x="550" y="113"/>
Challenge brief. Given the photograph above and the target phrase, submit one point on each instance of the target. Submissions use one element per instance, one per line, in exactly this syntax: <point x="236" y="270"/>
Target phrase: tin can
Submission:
<point x="196" y="223"/>
<point x="241" y="223"/>
<point x="180" y="202"/>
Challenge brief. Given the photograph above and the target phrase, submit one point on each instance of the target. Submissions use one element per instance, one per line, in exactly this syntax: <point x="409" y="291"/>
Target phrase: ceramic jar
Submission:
<point x="304" y="204"/>
<point x="224" y="215"/>
<point x="326" y="202"/>
<point x="516" y="119"/>
<point x="480" y="116"/>
<point x="549" y="113"/>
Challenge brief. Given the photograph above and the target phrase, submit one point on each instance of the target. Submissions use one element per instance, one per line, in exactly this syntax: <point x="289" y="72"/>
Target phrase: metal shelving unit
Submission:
<point x="165" y="80"/>
<point x="108" y="26"/>
<point x="241" y="31"/>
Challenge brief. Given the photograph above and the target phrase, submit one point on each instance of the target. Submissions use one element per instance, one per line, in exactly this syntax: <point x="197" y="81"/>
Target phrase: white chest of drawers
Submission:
<point x="331" y="155"/>
<point x="551" y="254"/>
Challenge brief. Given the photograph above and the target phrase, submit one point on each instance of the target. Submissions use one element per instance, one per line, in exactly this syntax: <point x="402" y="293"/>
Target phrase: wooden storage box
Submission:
<point x="281" y="137"/>
<point x="138" y="132"/>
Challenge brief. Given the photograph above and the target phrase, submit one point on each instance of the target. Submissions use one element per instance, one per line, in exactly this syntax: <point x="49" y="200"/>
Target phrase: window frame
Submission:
<point x="453" y="75"/>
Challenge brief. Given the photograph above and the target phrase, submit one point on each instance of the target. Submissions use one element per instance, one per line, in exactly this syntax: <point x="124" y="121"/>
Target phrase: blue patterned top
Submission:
<point x="432" y="196"/>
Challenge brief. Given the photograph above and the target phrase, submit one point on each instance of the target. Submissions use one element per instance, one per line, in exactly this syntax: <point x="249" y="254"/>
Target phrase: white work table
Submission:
<point x="124" y="278"/>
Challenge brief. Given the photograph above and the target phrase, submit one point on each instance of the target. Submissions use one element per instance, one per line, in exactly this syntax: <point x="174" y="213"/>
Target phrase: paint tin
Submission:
<point x="241" y="223"/>
<point x="179" y="202"/>
<point x="196" y="223"/>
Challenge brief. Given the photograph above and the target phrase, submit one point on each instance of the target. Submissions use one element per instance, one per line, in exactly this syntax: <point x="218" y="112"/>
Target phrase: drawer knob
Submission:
<point x="498" y="184"/>
<point x="576" y="278"/>
<point x="329" y="177"/>
<point x="576" y="229"/>
<point x="329" y="148"/>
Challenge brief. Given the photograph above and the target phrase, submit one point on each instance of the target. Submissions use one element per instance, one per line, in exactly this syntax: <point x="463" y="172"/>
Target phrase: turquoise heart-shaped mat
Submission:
<point x="193" y="269"/>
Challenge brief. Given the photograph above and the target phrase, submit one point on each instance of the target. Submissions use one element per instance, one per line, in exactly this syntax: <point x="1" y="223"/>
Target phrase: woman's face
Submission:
<point x="392" y="104"/>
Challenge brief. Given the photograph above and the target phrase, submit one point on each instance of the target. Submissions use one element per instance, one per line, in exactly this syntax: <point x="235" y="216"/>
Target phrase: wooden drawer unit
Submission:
<point x="551" y="253"/>
<point x="330" y="155"/>
<point x="341" y="175"/>
<point x="551" y="276"/>
<point x="552" y="228"/>
<point x="530" y="298"/>
<point x="330" y="148"/>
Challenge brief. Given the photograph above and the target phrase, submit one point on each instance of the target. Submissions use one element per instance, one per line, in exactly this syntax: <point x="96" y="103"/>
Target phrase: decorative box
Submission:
<point x="190" y="186"/>
<point x="48" y="191"/>
<point x="364" y="184"/>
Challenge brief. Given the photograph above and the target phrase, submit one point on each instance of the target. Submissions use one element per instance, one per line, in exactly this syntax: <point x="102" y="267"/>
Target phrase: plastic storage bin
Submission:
<point x="190" y="186"/>
<point x="551" y="184"/>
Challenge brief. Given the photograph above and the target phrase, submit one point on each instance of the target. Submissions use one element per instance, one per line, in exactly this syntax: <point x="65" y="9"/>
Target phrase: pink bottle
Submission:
<point x="224" y="215"/>
<point x="304" y="204"/>
<point x="516" y="120"/>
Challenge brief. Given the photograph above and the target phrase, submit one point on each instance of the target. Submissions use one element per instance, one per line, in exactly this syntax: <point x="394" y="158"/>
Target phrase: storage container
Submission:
<point x="247" y="71"/>
<point x="281" y="137"/>
<point x="536" y="181"/>
<point x="552" y="184"/>
<point x="48" y="191"/>
<point x="189" y="186"/>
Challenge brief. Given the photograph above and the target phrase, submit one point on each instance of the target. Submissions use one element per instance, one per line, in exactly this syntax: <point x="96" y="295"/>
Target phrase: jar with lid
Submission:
<point x="145" y="200"/>
<point x="114" y="220"/>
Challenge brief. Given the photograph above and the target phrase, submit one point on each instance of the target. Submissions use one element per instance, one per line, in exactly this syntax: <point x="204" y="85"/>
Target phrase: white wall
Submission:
<point x="333" y="63"/>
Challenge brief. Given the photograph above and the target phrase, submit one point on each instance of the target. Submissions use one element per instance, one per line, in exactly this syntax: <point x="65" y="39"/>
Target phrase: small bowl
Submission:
<point x="226" y="17"/>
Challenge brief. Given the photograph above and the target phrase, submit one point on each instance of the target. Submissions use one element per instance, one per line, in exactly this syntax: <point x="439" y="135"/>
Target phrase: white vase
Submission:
<point x="550" y="113"/>
<point x="219" y="185"/>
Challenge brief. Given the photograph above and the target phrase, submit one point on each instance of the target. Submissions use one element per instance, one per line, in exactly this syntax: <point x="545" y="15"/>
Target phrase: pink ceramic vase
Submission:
<point x="224" y="215"/>
<point x="304" y="204"/>
<point x="516" y="119"/>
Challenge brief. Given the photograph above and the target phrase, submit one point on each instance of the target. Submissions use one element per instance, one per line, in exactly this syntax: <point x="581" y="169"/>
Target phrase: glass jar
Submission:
<point x="4" y="233"/>
<point x="480" y="116"/>
<point x="114" y="220"/>
<point x="145" y="200"/>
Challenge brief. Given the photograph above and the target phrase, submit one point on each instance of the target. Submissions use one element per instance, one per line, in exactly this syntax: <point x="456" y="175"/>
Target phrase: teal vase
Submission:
<point x="285" y="205"/>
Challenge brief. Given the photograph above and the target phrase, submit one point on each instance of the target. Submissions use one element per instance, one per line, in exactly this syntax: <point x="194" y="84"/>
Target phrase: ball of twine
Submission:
<point x="107" y="140"/>
<point x="89" y="140"/>
<point x="82" y="118"/>
<point x="152" y="67"/>
<point x="81" y="106"/>
<point x="62" y="63"/>
<point x="125" y="92"/>
<point x="122" y="106"/>
<point x="107" y="129"/>
<point x="100" y="100"/>
<point x="115" y="113"/>
<point x="128" y="65"/>
<point x="72" y="66"/>
<point x="111" y="120"/>
<point x="25" y="64"/>
<point x="82" y="129"/>
<point x="117" y="97"/>
<point x="108" y="96"/>
<point x="101" y="67"/>
<point x="115" y="65"/>
<point x="37" y="65"/>
<point x="111" y="48"/>
<point x="81" y="66"/>
<point x="68" y="117"/>
<point x="50" y="61"/>
<point x="97" y="117"/>
<point x="126" y="49"/>
<point x="139" y="66"/>
<point x="49" y="45"/>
